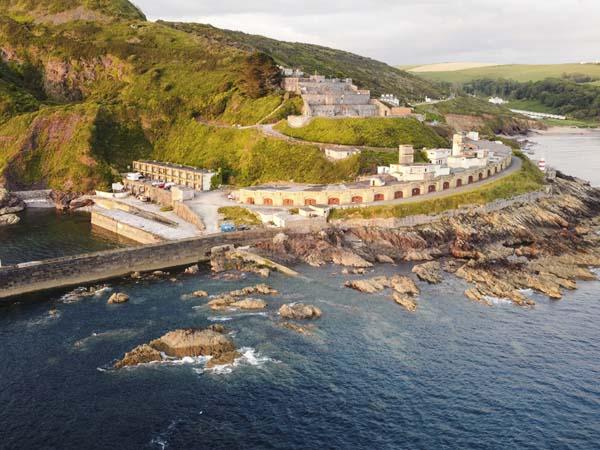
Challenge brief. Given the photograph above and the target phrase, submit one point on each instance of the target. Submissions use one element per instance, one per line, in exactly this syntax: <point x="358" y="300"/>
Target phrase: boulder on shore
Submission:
<point x="429" y="272"/>
<point x="299" y="311"/>
<point x="117" y="298"/>
<point x="9" y="219"/>
<point x="385" y="259"/>
<point x="348" y="259"/>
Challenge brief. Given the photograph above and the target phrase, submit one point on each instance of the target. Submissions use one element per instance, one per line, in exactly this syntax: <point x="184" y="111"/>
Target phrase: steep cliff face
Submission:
<point x="52" y="148"/>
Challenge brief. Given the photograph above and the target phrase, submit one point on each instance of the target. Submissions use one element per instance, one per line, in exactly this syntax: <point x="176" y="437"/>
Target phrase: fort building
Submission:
<point x="473" y="163"/>
<point x="191" y="177"/>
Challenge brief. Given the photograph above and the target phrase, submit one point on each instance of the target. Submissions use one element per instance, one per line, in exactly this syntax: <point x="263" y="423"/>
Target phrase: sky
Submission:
<point x="411" y="31"/>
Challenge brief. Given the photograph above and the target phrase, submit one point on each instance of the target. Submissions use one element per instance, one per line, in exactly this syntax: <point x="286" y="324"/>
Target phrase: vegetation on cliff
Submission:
<point x="366" y="72"/>
<point x="528" y="179"/>
<point x="99" y="84"/>
<point x="371" y="132"/>
<point x="466" y="113"/>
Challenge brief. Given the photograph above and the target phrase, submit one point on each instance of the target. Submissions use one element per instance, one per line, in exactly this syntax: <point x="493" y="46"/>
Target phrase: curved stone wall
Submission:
<point x="338" y="195"/>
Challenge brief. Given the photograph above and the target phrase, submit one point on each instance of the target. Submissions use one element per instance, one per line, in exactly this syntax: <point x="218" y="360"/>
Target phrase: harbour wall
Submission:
<point x="122" y="229"/>
<point x="93" y="267"/>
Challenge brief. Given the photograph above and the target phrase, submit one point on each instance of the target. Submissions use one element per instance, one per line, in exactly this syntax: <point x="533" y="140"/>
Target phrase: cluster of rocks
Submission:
<point x="404" y="289"/>
<point x="65" y="201"/>
<point x="10" y="204"/>
<point x="212" y="341"/>
<point x="231" y="300"/>
<point x="546" y="245"/>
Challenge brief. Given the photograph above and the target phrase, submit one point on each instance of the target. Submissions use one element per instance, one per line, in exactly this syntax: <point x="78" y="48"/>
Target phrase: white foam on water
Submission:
<point x="498" y="301"/>
<point x="526" y="291"/>
<point x="249" y="357"/>
<point x="220" y="319"/>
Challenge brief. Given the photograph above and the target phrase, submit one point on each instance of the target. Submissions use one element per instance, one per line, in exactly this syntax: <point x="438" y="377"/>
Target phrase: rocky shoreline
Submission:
<point x="547" y="246"/>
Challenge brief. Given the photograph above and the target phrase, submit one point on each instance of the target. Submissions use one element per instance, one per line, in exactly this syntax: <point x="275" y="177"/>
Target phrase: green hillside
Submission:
<point x="366" y="72"/>
<point x="87" y="86"/>
<point x="371" y="132"/>
<point x="517" y="72"/>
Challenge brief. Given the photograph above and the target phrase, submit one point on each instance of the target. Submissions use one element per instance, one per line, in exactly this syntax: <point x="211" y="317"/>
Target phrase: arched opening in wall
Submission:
<point x="333" y="201"/>
<point x="398" y="194"/>
<point x="446" y="185"/>
<point x="268" y="202"/>
<point x="249" y="201"/>
<point x="288" y="202"/>
<point x="458" y="183"/>
<point x="489" y="173"/>
<point x="357" y="199"/>
<point x="470" y="179"/>
<point x="480" y="176"/>
<point x="379" y="197"/>
<point x="416" y="191"/>
<point x="310" y="202"/>
<point x="431" y="188"/>
<point x="496" y="169"/>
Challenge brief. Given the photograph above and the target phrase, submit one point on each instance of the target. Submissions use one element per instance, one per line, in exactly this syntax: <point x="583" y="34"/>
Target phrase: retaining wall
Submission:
<point x="411" y="221"/>
<point x="92" y="267"/>
<point x="122" y="229"/>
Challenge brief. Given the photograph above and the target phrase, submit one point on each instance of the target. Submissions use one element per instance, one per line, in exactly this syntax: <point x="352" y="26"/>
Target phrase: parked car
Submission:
<point x="227" y="227"/>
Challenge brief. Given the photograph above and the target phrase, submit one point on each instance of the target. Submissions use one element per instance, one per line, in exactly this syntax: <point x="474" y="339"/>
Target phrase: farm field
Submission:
<point x="518" y="72"/>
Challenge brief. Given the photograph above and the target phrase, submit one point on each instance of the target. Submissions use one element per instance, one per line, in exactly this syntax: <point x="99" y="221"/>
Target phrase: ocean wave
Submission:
<point x="498" y="301"/>
<point x="220" y="319"/>
<point x="249" y="357"/>
<point x="82" y="292"/>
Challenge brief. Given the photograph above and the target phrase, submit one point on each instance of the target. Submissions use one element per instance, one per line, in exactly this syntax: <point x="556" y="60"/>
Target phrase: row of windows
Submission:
<point x="377" y="197"/>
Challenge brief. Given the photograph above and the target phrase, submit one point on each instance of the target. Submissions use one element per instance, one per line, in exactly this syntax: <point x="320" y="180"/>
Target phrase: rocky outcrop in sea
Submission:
<point x="10" y="204"/>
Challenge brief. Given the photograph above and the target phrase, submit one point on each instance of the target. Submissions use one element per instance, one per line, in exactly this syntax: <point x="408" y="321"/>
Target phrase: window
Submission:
<point x="333" y="201"/>
<point x="379" y="197"/>
<point x="446" y="185"/>
<point x="431" y="188"/>
<point x="458" y="183"/>
<point x="310" y="202"/>
<point x="250" y="201"/>
<point x="398" y="194"/>
<point x="268" y="202"/>
<point x="416" y="191"/>
<point x="357" y="199"/>
<point x="288" y="202"/>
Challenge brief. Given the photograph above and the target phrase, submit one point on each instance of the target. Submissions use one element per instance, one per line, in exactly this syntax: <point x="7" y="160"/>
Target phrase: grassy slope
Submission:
<point x="24" y="9"/>
<point x="373" y="132"/>
<point x="149" y="86"/>
<point x="368" y="73"/>
<point x="518" y="72"/>
<point x="528" y="179"/>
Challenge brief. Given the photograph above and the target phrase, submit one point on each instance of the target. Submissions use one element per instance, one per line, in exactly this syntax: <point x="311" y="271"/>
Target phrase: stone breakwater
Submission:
<point x="88" y="268"/>
<point x="546" y="245"/>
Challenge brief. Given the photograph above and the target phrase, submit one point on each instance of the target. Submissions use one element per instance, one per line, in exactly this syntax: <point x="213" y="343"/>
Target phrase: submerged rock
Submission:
<point x="406" y="301"/>
<point x="429" y="272"/>
<point x="117" y="298"/>
<point x="297" y="328"/>
<point x="300" y="311"/>
<point x="249" y="304"/>
<point x="223" y="359"/>
<point x="260" y="289"/>
<point x="192" y="270"/>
